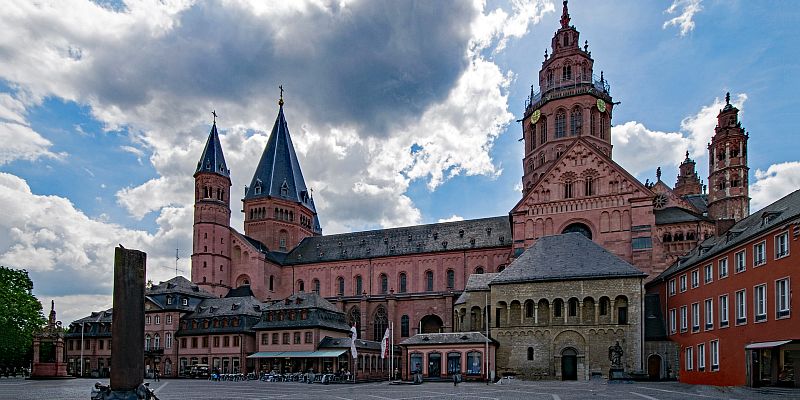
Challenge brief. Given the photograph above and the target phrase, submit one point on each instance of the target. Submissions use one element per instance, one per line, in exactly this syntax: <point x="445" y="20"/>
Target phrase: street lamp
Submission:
<point x="83" y="344"/>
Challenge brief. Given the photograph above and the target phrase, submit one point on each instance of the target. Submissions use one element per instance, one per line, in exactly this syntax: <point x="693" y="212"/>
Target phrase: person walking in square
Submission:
<point x="156" y="375"/>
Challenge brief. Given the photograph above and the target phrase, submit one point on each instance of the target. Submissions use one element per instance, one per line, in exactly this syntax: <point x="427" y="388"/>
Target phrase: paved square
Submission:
<point x="541" y="390"/>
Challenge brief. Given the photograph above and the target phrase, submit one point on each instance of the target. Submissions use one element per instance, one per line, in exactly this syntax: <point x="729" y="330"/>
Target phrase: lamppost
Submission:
<point x="83" y="344"/>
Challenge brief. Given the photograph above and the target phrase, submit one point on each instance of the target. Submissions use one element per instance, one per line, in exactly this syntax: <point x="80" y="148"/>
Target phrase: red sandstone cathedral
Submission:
<point x="412" y="275"/>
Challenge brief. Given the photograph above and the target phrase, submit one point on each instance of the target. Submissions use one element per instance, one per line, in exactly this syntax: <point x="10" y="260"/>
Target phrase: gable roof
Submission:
<point x="565" y="257"/>
<point x="300" y="301"/>
<point x="444" y="236"/>
<point x="781" y="212"/>
<point x="580" y="140"/>
<point x="212" y="159"/>
<point x="278" y="172"/>
<point x="447" y="338"/>
<point x="178" y="285"/>
<point x="673" y="215"/>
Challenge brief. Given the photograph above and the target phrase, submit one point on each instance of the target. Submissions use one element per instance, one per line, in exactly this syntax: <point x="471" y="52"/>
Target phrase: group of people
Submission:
<point x="9" y="372"/>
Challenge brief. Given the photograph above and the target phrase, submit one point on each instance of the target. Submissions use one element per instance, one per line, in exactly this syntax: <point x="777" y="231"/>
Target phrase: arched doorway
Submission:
<point x="431" y="324"/>
<point x="569" y="365"/>
<point x="579" y="228"/>
<point x="654" y="367"/>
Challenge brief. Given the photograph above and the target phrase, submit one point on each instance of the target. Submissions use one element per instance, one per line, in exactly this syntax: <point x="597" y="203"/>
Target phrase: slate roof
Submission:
<point x="699" y="201"/>
<point x="178" y="285"/>
<point x="306" y="301"/>
<point x="781" y="212"/>
<point x="319" y="313"/>
<point x="237" y="304"/>
<point x="446" y="338"/>
<point x="564" y="257"/>
<point x="344" y="343"/>
<point x="212" y="159"/>
<point x="444" y="236"/>
<point x="654" y="328"/>
<point x="92" y="323"/>
<point x="278" y="172"/>
<point x="476" y="282"/>
<point x="674" y="215"/>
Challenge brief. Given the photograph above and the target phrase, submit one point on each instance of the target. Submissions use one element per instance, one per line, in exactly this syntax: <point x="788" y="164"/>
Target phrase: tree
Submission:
<point x="20" y="317"/>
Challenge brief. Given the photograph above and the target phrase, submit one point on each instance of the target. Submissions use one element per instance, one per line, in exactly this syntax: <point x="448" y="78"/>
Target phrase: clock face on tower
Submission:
<point x="535" y="116"/>
<point x="601" y="105"/>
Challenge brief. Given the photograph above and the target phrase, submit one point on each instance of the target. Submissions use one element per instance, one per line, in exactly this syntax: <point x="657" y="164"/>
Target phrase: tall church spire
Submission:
<point x="279" y="210"/>
<point x="212" y="159"/>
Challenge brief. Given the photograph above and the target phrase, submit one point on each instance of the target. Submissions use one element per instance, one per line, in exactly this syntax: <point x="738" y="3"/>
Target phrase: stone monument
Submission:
<point x="127" y="359"/>
<point x="48" y="350"/>
<point x="615" y="353"/>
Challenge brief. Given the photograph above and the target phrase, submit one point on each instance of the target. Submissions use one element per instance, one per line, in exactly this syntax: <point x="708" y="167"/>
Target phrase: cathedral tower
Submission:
<point x="211" y="261"/>
<point x="728" y="195"/>
<point x="278" y="207"/>
<point x="688" y="182"/>
<point x="570" y="102"/>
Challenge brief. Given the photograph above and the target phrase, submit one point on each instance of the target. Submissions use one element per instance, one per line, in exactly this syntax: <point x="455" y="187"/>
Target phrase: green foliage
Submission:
<point x="20" y="316"/>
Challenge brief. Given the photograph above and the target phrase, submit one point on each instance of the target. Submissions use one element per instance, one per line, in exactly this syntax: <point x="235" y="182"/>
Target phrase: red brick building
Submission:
<point x="728" y="304"/>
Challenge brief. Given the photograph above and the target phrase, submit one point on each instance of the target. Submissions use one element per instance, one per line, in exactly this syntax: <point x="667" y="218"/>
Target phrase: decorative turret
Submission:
<point x="279" y="208"/>
<point x="569" y="103"/>
<point x="728" y="194"/>
<point x="688" y="181"/>
<point x="212" y="217"/>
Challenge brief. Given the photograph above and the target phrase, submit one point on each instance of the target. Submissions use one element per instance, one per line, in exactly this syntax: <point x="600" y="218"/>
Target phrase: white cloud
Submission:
<point x="20" y="142"/>
<point x="638" y="148"/>
<point x="777" y="181"/>
<point x="685" y="20"/>
<point x="452" y="218"/>
<point x="634" y="146"/>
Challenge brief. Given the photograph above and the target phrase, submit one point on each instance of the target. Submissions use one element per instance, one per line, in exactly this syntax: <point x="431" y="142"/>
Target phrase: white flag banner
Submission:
<point x="385" y="345"/>
<point x="353" y="337"/>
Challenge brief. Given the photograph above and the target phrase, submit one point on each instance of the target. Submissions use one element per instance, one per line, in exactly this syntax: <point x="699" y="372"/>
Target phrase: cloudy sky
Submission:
<point x="402" y="112"/>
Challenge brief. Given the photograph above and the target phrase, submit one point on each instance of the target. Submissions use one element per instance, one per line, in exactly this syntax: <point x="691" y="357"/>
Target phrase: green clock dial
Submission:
<point x="601" y="105"/>
<point x="535" y="116"/>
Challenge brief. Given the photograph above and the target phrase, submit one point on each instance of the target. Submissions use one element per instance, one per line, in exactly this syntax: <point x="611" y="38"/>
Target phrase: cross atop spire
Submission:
<point x="214" y="113"/>
<point x="728" y="98"/>
<point x="565" y="16"/>
<point x="280" y="101"/>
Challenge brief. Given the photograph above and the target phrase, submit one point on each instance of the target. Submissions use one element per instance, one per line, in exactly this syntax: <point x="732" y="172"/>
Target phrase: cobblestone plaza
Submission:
<point x="541" y="390"/>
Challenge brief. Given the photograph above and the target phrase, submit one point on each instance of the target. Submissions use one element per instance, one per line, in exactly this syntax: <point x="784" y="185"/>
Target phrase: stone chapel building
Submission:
<point x="412" y="276"/>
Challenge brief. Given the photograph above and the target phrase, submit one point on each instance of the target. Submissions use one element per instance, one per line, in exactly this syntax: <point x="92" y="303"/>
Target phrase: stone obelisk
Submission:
<point x="127" y="359"/>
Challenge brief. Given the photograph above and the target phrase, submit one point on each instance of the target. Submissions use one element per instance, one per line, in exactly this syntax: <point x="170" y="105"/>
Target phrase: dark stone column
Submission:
<point x="127" y="359"/>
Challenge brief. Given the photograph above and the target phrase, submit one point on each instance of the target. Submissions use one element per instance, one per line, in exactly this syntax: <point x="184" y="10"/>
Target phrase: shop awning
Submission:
<point x="298" y="354"/>
<point x="265" y="354"/>
<point x="766" y="345"/>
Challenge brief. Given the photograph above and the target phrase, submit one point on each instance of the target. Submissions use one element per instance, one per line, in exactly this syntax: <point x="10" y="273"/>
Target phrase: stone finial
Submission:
<point x="728" y="98"/>
<point x="586" y="46"/>
<point x="565" y="16"/>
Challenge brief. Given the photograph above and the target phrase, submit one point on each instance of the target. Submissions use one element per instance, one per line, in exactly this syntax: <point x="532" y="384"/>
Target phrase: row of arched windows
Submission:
<point x="155" y="341"/>
<point x="679" y="236"/>
<point x="538" y="131"/>
<point x="209" y="323"/>
<point x="383" y="281"/>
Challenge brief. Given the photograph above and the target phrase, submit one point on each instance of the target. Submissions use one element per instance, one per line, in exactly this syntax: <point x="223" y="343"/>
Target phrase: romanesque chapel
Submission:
<point x="575" y="199"/>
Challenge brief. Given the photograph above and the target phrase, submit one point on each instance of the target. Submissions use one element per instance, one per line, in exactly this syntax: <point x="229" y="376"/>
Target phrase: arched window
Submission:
<point x="479" y="270"/>
<point x="576" y="121"/>
<point x="380" y="323"/>
<point x="271" y="283"/>
<point x="592" y="122"/>
<point x="572" y="310"/>
<point x="402" y="282"/>
<point x="340" y="283"/>
<point x="404" y="326"/>
<point x="501" y="268"/>
<point x="558" y="305"/>
<point x="532" y="141"/>
<point x="451" y="279"/>
<point x="667" y="237"/>
<point x="589" y="186"/>
<point x="541" y="159"/>
<point x="384" y="284"/>
<point x="543" y="130"/>
<point x="168" y="340"/>
<point x="602" y="126"/>
<point x="157" y="341"/>
<point x="359" y="285"/>
<point x="530" y="353"/>
<point x="566" y="71"/>
<point x="315" y="282"/>
<point x="147" y="342"/>
<point x="568" y="190"/>
<point x="429" y="281"/>
<point x="561" y="122"/>
<point x="301" y="287"/>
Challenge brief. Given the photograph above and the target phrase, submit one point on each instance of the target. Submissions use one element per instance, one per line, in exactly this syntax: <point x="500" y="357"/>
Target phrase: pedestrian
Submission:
<point x="156" y="375"/>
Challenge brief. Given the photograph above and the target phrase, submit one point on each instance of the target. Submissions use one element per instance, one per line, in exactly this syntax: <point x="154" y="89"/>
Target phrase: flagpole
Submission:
<point x="486" y="355"/>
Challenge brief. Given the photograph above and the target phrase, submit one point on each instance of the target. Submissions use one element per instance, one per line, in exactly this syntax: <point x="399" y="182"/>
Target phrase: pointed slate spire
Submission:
<point x="278" y="173"/>
<point x="212" y="159"/>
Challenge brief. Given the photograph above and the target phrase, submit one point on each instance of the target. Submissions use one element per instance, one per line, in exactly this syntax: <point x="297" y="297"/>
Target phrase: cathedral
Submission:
<point x="582" y="221"/>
